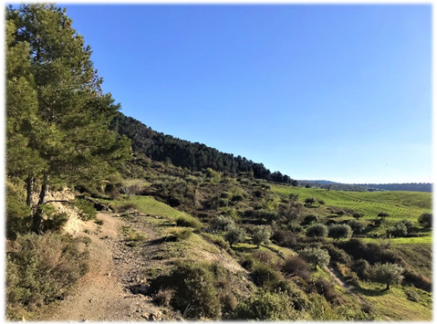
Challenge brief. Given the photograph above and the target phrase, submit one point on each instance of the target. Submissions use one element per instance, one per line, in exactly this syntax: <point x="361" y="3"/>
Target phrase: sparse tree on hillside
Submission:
<point x="315" y="256"/>
<point x="387" y="273"/>
<point x="235" y="234"/>
<point x="261" y="234"/>
<point x="425" y="220"/>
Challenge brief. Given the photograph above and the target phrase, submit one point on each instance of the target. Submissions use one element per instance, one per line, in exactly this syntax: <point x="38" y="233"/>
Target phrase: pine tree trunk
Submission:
<point x="29" y="184"/>
<point x="37" y="220"/>
<point x="388" y="286"/>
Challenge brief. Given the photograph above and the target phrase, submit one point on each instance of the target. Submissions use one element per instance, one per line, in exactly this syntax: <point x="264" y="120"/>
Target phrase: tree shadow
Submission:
<point x="244" y="249"/>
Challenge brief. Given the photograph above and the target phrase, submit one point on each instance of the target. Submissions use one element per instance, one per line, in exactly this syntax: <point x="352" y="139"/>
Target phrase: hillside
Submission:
<point x="182" y="153"/>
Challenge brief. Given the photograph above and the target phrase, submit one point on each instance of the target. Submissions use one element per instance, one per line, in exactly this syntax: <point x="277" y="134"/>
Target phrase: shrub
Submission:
<point x="295" y="228"/>
<point x="317" y="230"/>
<point x="86" y="209"/>
<point x="315" y="256"/>
<point x="425" y="220"/>
<point x="398" y="230"/>
<point x="340" y="231"/>
<point x="337" y="254"/>
<point x="266" y="306"/>
<point x="383" y="214"/>
<point x="235" y="234"/>
<point x="417" y="280"/>
<point x="321" y="201"/>
<point x="264" y="276"/>
<point x="221" y="223"/>
<point x="296" y="266"/>
<point x="357" y="215"/>
<point x="268" y="215"/>
<point x="327" y="290"/>
<point x="362" y="268"/>
<point x="225" y="195"/>
<point x="261" y="234"/>
<point x="387" y="273"/>
<point x="41" y="271"/>
<point x="309" y="219"/>
<point x="194" y="291"/>
<point x="340" y="213"/>
<point x="98" y="221"/>
<point x="310" y="201"/>
<point x="188" y="221"/>
<point x="357" y="226"/>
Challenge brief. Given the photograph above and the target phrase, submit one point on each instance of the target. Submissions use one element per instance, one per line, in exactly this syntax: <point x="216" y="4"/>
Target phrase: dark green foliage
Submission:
<point x="387" y="273"/>
<point x="221" y="223"/>
<point x="425" y="220"/>
<point x="321" y="201"/>
<point x="194" y="156"/>
<point x="126" y="206"/>
<point x="315" y="256"/>
<point x="412" y="295"/>
<point x="266" y="306"/>
<point x="383" y="214"/>
<point x="188" y="221"/>
<point x="339" y="231"/>
<point x="317" y="230"/>
<point x="194" y="291"/>
<point x="309" y="219"/>
<point x="399" y="229"/>
<point x="418" y="280"/>
<point x="295" y="228"/>
<point x="357" y="226"/>
<point x="369" y="251"/>
<point x="86" y="209"/>
<point x="268" y="215"/>
<point x="41" y="271"/>
<point x="18" y="217"/>
<point x="337" y="254"/>
<point x="357" y="215"/>
<point x="362" y="268"/>
<point x="310" y="201"/>
<point x="264" y="276"/>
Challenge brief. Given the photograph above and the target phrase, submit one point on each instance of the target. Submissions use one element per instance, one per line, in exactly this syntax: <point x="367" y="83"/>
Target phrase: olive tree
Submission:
<point x="387" y="273"/>
<point x="261" y="234"/>
<point x="315" y="256"/>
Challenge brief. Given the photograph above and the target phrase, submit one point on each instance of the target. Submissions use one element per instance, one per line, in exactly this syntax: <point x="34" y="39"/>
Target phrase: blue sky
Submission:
<point x="334" y="92"/>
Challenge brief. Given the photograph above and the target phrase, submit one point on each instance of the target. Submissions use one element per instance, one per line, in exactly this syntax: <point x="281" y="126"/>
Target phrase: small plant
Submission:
<point x="125" y="207"/>
<point x="235" y="234"/>
<point x="98" y="221"/>
<point x="412" y="295"/>
<point x="296" y="266"/>
<point x="358" y="215"/>
<point x="163" y="297"/>
<point x="321" y="201"/>
<point x="309" y="219"/>
<point x="357" y="226"/>
<point x="310" y="201"/>
<point x="383" y="214"/>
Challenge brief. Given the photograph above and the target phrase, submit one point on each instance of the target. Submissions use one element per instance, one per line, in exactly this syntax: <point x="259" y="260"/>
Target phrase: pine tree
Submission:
<point x="65" y="125"/>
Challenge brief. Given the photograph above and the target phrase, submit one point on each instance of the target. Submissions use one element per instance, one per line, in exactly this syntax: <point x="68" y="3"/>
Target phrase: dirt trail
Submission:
<point x="100" y="295"/>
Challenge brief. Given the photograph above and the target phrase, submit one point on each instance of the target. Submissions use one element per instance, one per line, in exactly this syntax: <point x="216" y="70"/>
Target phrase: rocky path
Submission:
<point x="104" y="293"/>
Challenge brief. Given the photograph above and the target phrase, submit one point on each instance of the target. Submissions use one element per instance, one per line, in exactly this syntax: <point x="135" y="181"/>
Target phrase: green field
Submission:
<point x="398" y="204"/>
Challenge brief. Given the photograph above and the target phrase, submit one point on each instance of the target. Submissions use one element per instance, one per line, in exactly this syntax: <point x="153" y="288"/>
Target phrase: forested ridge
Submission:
<point x="185" y="154"/>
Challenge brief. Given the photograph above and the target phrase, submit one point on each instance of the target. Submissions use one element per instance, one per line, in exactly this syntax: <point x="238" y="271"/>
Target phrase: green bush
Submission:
<point x="264" y="276"/>
<point x="316" y="256"/>
<point x="309" y="219"/>
<point x="295" y="265"/>
<point x="194" y="293"/>
<point x="266" y="306"/>
<point x="387" y="273"/>
<point x="41" y="271"/>
<point x="425" y="220"/>
<point x="86" y="209"/>
<point x="357" y="226"/>
<point x="188" y="221"/>
<point x="261" y="234"/>
<point x="220" y="223"/>
<point x="317" y="230"/>
<point x="126" y="206"/>
<point x="235" y="234"/>
<point x="339" y="231"/>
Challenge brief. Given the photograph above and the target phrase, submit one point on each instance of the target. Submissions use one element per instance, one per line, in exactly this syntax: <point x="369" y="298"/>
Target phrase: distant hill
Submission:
<point x="193" y="156"/>
<point x="422" y="187"/>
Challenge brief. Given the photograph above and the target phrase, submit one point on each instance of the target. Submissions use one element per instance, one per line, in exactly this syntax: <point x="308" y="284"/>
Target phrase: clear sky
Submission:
<point x="333" y="92"/>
